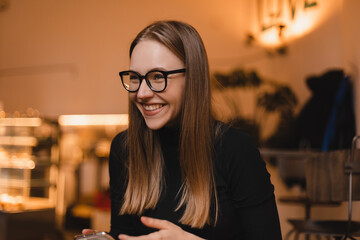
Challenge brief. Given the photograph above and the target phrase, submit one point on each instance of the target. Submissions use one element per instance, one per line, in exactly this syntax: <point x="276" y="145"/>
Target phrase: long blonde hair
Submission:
<point x="145" y="176"/>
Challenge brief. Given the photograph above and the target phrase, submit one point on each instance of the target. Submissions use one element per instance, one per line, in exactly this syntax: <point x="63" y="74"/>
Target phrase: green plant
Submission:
<point x="270" y="97"/>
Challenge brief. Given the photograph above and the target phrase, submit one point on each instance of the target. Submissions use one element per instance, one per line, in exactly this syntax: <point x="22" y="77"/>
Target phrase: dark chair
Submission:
<point x="330" y="178"/>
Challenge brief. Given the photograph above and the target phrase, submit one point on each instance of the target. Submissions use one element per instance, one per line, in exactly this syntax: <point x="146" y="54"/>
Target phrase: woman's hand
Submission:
<point x="88" y="231"/>
<point x="167" y="230"/>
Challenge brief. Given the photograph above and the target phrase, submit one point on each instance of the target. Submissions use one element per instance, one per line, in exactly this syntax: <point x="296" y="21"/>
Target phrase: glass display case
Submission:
<point x="28" y="163"/>
<point x="84" y="150"/>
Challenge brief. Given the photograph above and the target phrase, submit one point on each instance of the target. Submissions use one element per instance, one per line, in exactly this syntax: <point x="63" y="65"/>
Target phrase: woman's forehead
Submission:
<point x="150" y="54"/>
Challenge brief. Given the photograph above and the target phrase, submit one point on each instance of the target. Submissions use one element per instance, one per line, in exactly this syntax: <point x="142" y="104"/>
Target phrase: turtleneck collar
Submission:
<point x="169" y="136"/>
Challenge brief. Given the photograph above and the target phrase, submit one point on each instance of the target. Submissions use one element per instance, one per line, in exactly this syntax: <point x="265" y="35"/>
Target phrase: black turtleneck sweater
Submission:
<point x="247" y="208"/>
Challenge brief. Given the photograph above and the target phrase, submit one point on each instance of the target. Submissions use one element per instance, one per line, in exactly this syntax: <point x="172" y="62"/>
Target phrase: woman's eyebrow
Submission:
<point x="153" y="69"/>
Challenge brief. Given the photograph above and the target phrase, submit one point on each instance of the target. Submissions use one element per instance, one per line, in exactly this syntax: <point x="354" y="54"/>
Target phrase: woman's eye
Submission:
<point x="134" y="77"/>
<point x="158" y="76"/>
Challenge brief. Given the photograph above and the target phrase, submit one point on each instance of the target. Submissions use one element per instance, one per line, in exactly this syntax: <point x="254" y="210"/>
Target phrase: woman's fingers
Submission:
<point x="151" y="236"/>
<point x="167" y="230"/>
<point x="156" y="223"/>
<point x="88" y="231"/>
<point x="123" y="237"/>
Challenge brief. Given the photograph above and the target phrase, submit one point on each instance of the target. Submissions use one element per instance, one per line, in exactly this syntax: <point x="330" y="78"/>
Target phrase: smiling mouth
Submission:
<point x="152" y="107"/>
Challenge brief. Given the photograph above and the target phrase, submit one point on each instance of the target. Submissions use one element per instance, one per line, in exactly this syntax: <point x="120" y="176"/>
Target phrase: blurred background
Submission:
<point x="276" y="65"/>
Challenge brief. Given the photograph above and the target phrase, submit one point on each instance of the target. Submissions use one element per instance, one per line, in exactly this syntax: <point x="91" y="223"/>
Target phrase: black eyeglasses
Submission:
<point x="156" y="79"/>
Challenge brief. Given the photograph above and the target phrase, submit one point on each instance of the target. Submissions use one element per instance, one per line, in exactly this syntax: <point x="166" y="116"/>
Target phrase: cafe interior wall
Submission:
<point x="63" y="57"/>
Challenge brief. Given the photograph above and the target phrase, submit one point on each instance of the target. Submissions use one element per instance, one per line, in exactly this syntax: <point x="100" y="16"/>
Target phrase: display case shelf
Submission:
<point x="18" y="141"/>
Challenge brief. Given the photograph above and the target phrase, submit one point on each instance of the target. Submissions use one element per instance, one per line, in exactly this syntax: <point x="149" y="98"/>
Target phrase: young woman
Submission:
<point x="176" y="173"/>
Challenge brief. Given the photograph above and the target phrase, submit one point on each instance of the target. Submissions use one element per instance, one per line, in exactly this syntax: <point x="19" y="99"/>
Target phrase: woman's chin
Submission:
<point x="154" y="124"/>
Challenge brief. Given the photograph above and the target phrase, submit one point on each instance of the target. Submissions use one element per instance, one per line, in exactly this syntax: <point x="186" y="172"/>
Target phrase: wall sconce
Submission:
<point x="277" y="22"/>
<point x="293" y="6"/>
<point x="310" y="4"/>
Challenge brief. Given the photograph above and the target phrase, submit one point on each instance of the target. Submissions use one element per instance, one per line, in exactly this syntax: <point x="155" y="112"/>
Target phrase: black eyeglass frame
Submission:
<point x="141" y="77"/>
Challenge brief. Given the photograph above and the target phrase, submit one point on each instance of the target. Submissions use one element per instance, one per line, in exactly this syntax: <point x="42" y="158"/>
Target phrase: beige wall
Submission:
<point x="62" y="57"/>
<point x="351" y="49"/>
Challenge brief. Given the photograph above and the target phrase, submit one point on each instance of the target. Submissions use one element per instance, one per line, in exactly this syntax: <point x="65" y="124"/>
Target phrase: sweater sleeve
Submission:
<point x="250" y="188"/>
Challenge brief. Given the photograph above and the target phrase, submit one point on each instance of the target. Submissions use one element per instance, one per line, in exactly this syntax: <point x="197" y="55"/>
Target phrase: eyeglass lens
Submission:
<point x="132" y="80"/>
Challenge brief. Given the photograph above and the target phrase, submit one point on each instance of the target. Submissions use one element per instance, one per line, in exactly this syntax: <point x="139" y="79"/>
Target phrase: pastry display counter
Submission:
<point x="28" y="177"/>
<point x="28" y="163"/>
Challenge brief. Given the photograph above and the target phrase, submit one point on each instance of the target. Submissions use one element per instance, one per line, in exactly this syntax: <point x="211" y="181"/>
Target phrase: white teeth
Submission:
<point x="152" y="107"/>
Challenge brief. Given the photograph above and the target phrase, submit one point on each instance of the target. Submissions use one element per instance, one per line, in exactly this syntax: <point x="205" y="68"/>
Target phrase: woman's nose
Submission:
<point x="144" y="90"/>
